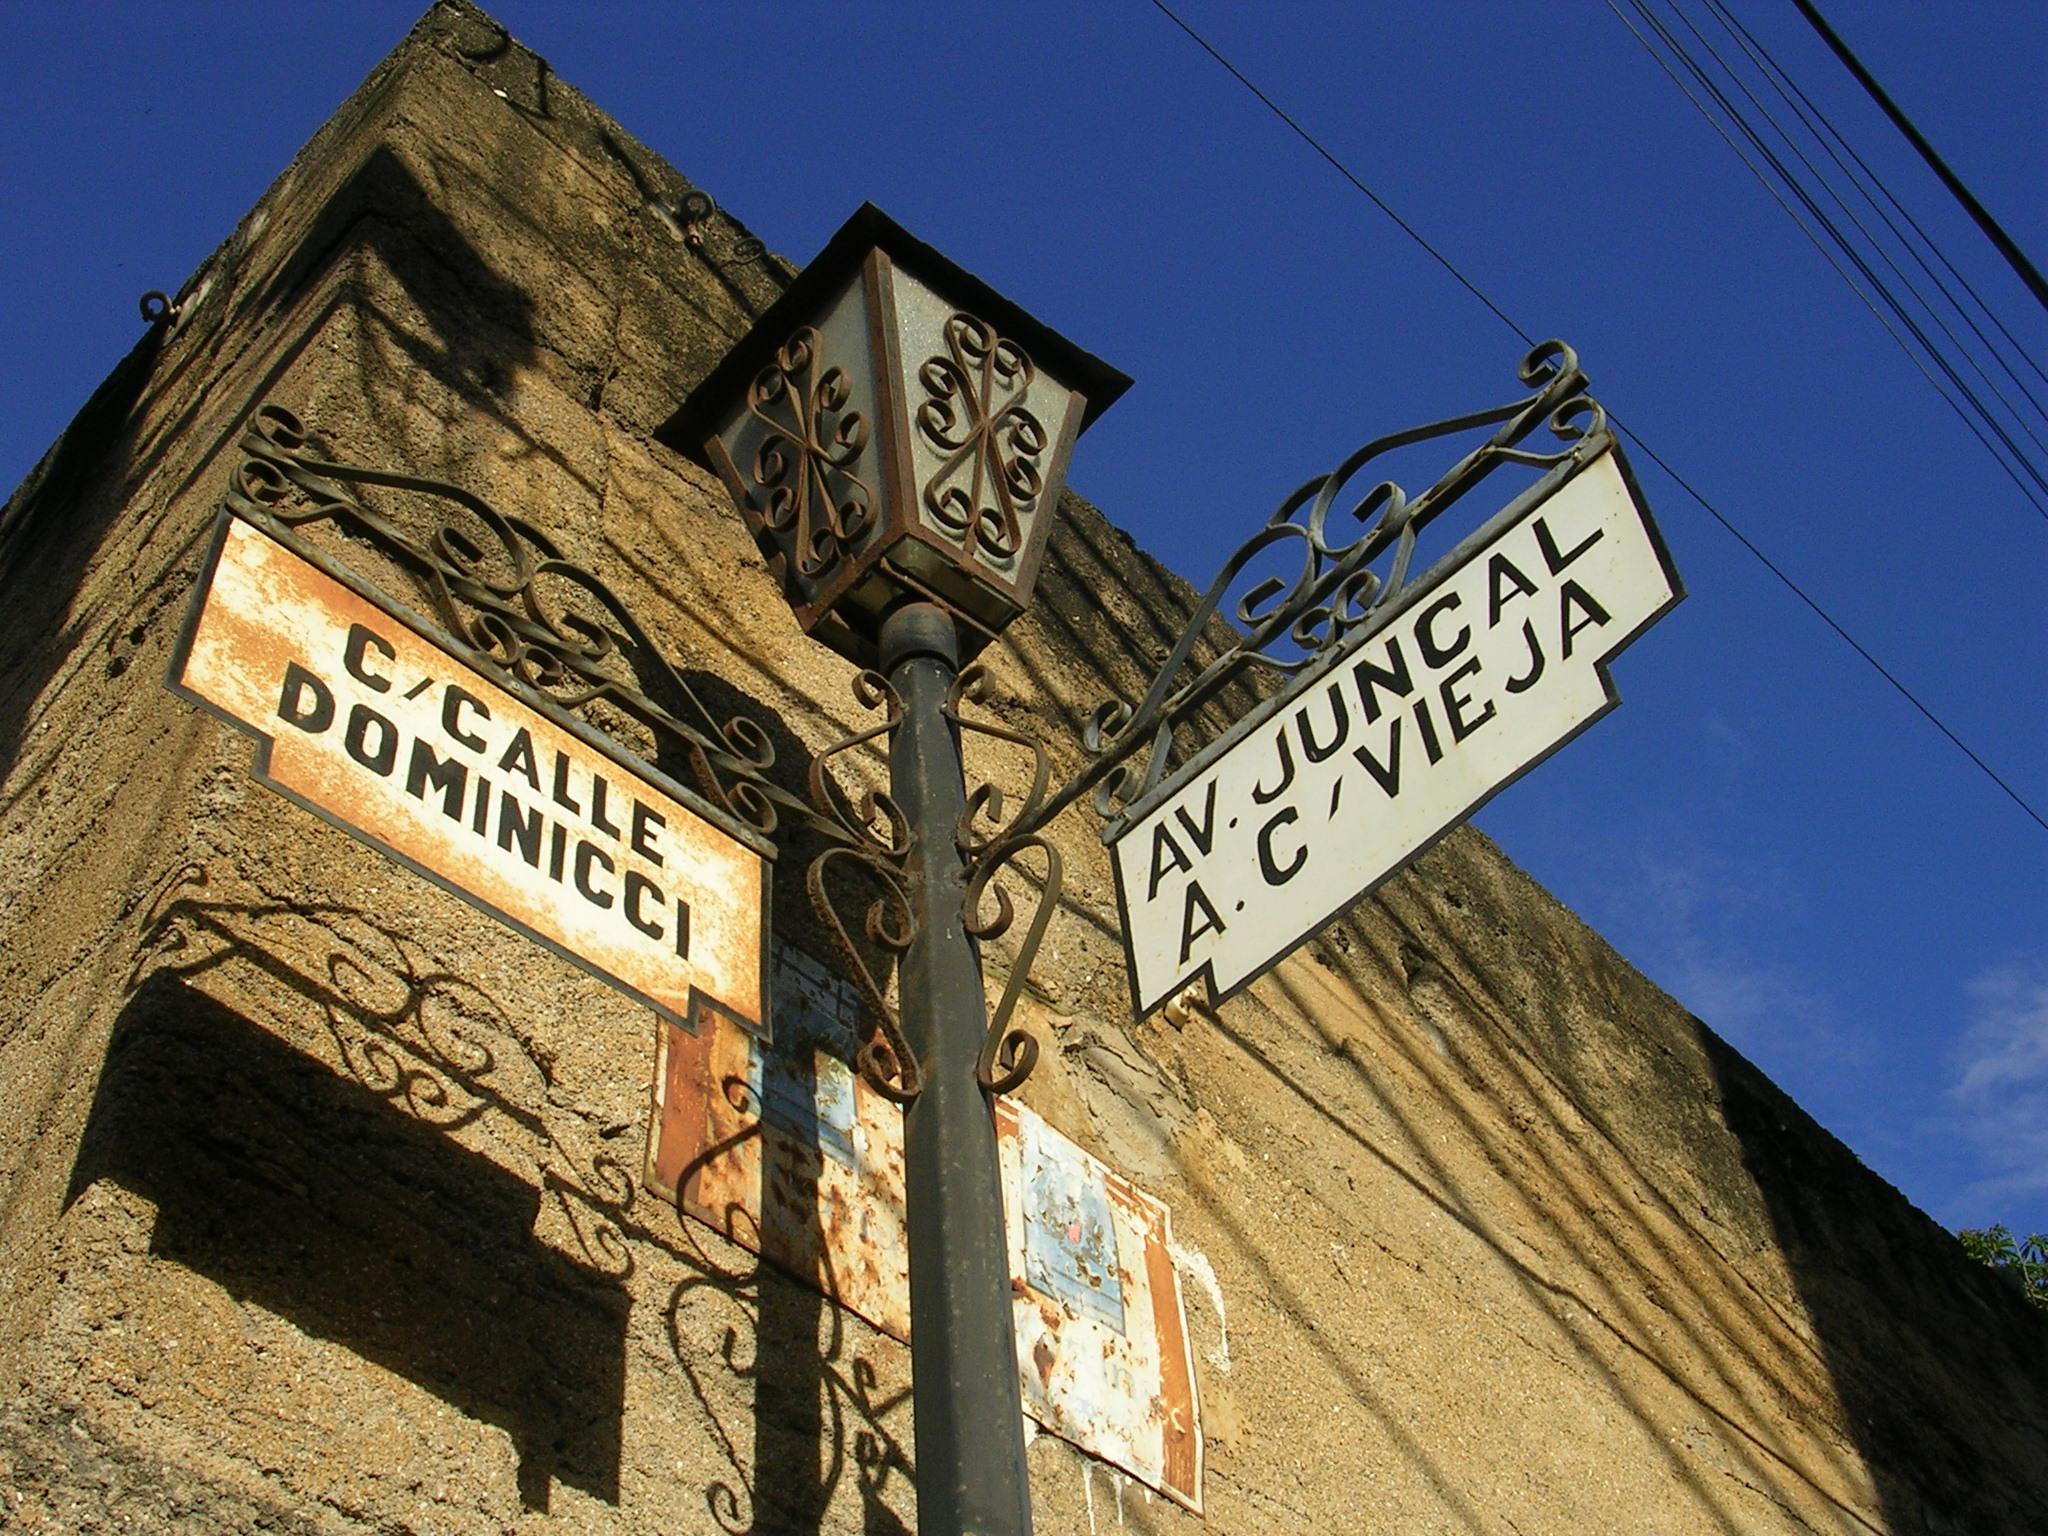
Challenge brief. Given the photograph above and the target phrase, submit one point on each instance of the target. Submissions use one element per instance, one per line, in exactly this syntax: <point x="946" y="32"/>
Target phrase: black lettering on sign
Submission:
<point x="1455" y="703"/>
<point x="1395" y="677"/>
<point x="1197" y="902"/>
<point x="1573" y="597"/>
<point x="1340" y="728"/>
<point x="597" y="815"/>
<point x="1269" y="867"/>
<point x="1386" y="774"/>
<point x="1527" y="680"/>
<point x="361" y="640"/>
<point x="1265" y="796"/>
<point x="452" y="703"/>
<point x="1427" y="726"/>
<point x="562" y="784"/>
<point x="588" y="854"/>
<point x="1547" y="542"/>
<point x="516" y="823"/>
<point x="644" y="821"/>
<point x="637" y="886"/>
<point x="519" y="758"/>
<point x="305" y="701"/>
<point x="682" y="929"/>
<point x="1518" y="586"/>
<point x="1434" y="651"/>
<point x="381" y="758"/>
<point x="446" y="775"/>
<point x="1203" y="833"/>
<point x="482" y="817"/>
<point x="1167" y="856"/>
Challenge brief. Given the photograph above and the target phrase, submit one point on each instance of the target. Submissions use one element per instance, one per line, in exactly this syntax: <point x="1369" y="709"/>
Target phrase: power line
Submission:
<point x="1993" y="231"/>
<point x="1824" y="130"/>
<point x="1983" y="418"/>
<point x="1711" y="510"/>
<point x="1877" y="246"/>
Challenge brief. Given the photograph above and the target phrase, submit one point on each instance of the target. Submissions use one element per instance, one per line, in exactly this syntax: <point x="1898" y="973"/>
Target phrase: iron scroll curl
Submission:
<point x="516" y="606"/>
<point x="1007" y="1055"/>
<point x="1338" y="585"/>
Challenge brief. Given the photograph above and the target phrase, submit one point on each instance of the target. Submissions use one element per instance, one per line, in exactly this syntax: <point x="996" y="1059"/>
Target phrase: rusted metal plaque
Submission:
<point x="1102" y="1338"/>
<point x="365" y="719"/>
<point x="779" y="1145"/>
<point x="783" y="1148"/>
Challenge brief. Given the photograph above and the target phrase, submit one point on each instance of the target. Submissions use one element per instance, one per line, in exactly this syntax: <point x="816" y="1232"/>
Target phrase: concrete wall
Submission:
<point x="318" y="1194"/>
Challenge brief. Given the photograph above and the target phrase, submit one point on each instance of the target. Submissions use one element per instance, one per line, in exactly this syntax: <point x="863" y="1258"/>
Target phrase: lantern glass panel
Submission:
<point x="984" y="430"/>
<point x="807" y="444"/>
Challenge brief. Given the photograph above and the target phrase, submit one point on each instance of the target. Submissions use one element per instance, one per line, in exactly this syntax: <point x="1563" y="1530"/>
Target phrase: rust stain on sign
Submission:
<point x="1102" y="1338"/>
<point x="781" y="1147"/>
<point x="363" y="718"/>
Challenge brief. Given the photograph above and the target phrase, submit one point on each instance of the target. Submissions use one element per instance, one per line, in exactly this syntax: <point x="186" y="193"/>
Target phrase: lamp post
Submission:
<point x="895" y="434"/>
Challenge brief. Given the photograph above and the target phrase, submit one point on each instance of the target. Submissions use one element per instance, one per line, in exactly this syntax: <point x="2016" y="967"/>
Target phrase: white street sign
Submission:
<point x="1478" y="672"/>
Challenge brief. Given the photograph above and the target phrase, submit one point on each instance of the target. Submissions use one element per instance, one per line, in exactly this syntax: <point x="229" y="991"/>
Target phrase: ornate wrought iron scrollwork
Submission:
<point x="875" y="845"/>
<point x="974" y="414"/>
<point x="517" y="606"/>
<point x="694" y="210"/>
<point x="804" y="465"/>
<point x="509" y="597"/>
<point x="1007" y="1055"/>
<point x="1285" y="625"/>
<point x="507" y="594"/>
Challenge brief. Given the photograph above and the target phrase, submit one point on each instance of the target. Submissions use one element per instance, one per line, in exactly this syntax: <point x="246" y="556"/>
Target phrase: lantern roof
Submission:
<point x="828" y="272"/>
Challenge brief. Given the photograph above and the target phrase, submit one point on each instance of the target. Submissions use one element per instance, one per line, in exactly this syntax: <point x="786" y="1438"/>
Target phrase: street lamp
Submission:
<point x="895" y="433"/>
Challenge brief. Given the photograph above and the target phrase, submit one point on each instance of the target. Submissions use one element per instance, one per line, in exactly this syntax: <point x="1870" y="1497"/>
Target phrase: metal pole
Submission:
<point x="971" y="1475"/>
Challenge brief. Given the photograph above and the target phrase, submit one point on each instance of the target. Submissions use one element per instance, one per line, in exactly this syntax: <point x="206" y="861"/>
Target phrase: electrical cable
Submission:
<point x="1876" y="245"/>
<point x="1823" y="129"/>
<point x="1707" y="506"/>
<point x="1983" y="416"/>
<point x="1993" y="231"/>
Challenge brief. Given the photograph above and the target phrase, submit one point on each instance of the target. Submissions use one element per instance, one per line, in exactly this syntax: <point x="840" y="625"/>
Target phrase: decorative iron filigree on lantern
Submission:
<point x="892" y="427"/>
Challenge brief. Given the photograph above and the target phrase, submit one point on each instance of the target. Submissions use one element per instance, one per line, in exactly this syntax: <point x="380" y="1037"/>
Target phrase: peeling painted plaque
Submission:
<point x="1483" y="668"/>
<point x="1102" y="1339"/>
<point x="780" y="1146"/>
<point x="365" y="719"/>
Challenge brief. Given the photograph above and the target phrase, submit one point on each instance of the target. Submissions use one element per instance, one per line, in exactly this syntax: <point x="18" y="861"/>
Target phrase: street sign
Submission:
<point x="783" y="1148"/>
<point x="1461" y="683"/>
<point x="363" y="717"/>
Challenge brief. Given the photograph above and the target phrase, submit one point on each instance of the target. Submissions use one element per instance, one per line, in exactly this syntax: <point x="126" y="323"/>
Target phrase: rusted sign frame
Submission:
<point x="584" y="734"/>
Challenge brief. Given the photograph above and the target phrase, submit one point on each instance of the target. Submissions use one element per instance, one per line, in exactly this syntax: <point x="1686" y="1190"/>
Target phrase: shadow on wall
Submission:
<point x="818" y="1414"/>
<point x="312" y="1197"/>
<point x="306" y="1189"/>
<point x="1942" y="1368"/>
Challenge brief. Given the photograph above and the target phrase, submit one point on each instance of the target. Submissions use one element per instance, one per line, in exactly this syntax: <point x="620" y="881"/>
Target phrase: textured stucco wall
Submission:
<point x="318" y="1205"/>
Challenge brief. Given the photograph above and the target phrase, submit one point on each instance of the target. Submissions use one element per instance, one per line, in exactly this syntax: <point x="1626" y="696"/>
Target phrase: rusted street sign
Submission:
<point x="1468" y="679"/>
<point x="779" y="1145"/>
<point x="365" y="719"/>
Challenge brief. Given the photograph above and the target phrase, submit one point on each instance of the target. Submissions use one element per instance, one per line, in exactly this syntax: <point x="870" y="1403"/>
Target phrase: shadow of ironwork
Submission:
<point x="424" y="1053"/>
<point x="818" y="1406"/>
<point x="322" y="1201"/>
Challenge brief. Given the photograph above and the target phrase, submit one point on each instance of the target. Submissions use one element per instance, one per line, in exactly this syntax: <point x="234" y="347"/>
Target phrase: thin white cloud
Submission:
<point x="2001" y="1079"/>
<point x="1702" y="928"/>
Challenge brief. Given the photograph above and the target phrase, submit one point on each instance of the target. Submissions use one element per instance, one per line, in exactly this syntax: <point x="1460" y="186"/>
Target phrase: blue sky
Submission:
<point x="1764" y="827"/>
